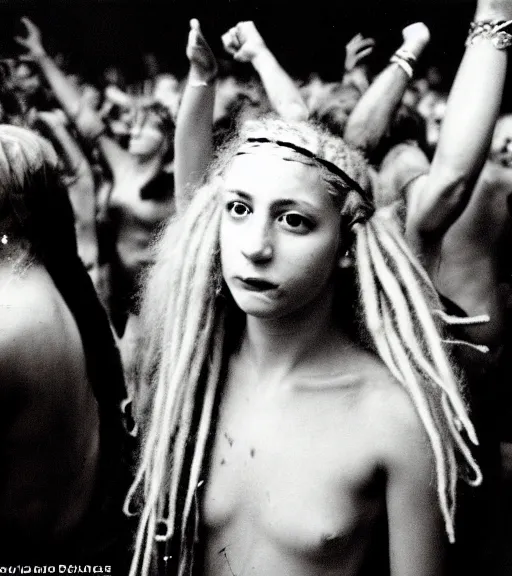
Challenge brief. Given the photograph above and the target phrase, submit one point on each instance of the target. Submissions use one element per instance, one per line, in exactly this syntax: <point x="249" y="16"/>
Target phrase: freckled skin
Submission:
<point x="309" y="497"/>
<point x="303" y="262"/>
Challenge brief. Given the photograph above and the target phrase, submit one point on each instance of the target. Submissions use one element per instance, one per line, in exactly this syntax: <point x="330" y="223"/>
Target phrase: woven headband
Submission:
<point x="350" y="182"/>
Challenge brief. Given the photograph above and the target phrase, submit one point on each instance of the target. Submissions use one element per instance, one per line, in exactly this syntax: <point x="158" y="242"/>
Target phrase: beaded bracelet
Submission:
<point x="492" y="30"/>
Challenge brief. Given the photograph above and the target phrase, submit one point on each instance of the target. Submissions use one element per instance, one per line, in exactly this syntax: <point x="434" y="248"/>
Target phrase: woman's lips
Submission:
<point x="256" y="284"/>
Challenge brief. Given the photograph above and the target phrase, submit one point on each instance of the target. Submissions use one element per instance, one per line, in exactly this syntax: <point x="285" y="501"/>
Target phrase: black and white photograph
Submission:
<point x="256" y="287"/>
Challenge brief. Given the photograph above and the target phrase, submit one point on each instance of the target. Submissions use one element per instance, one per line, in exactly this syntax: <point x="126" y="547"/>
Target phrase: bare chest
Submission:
<point x="129" y="200"/>
<point x="292" y="467"/>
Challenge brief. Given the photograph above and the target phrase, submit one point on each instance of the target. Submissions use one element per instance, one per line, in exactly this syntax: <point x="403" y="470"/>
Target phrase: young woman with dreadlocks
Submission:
<point x="62" y="438"/>
<point x="304" y="416"/>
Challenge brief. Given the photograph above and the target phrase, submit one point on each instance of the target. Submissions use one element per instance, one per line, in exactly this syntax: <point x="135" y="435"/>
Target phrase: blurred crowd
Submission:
<point x="51" y="102"/>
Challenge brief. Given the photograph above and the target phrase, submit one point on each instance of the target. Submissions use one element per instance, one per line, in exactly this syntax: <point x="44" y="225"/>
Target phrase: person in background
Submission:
<point x="64" y="449"/>
<point x="141" y="197"/>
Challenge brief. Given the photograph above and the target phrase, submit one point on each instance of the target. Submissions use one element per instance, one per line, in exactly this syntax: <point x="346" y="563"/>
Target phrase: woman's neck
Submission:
<point x="275" y="348"/>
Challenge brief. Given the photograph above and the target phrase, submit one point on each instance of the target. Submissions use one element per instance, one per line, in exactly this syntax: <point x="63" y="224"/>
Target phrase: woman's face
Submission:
<point x="147" y="137"/>
<point x="280" y="234"/>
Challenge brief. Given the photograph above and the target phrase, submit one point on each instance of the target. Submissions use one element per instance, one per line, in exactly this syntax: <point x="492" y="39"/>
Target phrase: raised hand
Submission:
<point x="416" y="37"/>
<point x="32" y="42"/>
<point x="203" y="64"/>
<point x="244" y="42"/>
<point x="357" y="50"/>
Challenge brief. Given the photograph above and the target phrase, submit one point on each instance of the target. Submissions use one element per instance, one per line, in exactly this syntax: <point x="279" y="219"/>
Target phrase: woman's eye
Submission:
<point x="295" y="222"/>
<point x="237" y="209"/>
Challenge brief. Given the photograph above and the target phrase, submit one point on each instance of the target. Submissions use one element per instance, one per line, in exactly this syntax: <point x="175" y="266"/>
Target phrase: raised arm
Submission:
<point x="466" y="133"/>
<point x="245" y="44"/>
<point x="79" y="180"/>
<point x="66" y="92"/>
<point x="193" y="142"/>
<point x="87" y="121"/>
<point x="372" y="115"/>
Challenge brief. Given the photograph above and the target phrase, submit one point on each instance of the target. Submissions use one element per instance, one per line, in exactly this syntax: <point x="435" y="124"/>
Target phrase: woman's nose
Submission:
<point x="257" y="243"/>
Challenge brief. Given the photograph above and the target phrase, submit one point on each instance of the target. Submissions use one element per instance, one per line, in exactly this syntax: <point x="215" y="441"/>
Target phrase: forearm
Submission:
<point x="472" y="110"/>
<point x="66" y="93"/>
<point x="193" y="142"/>
<point x="80" y="185"/>
<point x="87" y="240"/>
<point x="81" y="193"/>
<point x="83" y="200"/>
<point x="75" y="161"/>
<point x="371" y="116"/>
<point x="87" y="121"/>
<point x="281" y="90"/>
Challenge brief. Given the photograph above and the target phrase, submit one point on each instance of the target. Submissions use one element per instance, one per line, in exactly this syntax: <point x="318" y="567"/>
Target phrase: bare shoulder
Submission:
<point x="401" y="438"/>
<point x="386" y="416"/>
<point x="39" y="339"/>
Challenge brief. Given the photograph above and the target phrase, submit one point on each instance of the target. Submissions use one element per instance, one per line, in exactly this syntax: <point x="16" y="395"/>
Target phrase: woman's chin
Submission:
<point x="257" y="305"/>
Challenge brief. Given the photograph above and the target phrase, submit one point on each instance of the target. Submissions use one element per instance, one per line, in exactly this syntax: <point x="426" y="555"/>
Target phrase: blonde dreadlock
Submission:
<point x="185" y="317"/>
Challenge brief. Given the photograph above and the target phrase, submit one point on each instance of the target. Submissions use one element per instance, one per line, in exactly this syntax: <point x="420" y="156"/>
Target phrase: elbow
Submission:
<point x="454" y="173"/>
<point x="451" y="188"/>
<point x="452" y="197"/>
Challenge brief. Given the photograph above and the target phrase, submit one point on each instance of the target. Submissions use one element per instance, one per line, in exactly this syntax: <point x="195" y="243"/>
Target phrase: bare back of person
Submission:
<point x="469" y="276"/>
<point x="50" y="422"/>
<point x="471" y="263"/>
<point x="298" y="476"/>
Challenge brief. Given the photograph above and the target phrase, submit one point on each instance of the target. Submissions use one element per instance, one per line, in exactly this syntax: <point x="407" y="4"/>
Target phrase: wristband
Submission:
<point x="404" y="65"/>
<point x="406" y="55"/>
<point x="200" y="83"/>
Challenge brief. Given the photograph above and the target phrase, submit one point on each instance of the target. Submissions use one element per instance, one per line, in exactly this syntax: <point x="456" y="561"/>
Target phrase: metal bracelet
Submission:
<point x="493" y="30"/>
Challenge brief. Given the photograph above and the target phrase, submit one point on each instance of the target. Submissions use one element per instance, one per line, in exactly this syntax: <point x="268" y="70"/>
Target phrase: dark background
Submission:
<point x="306" y="37"/>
